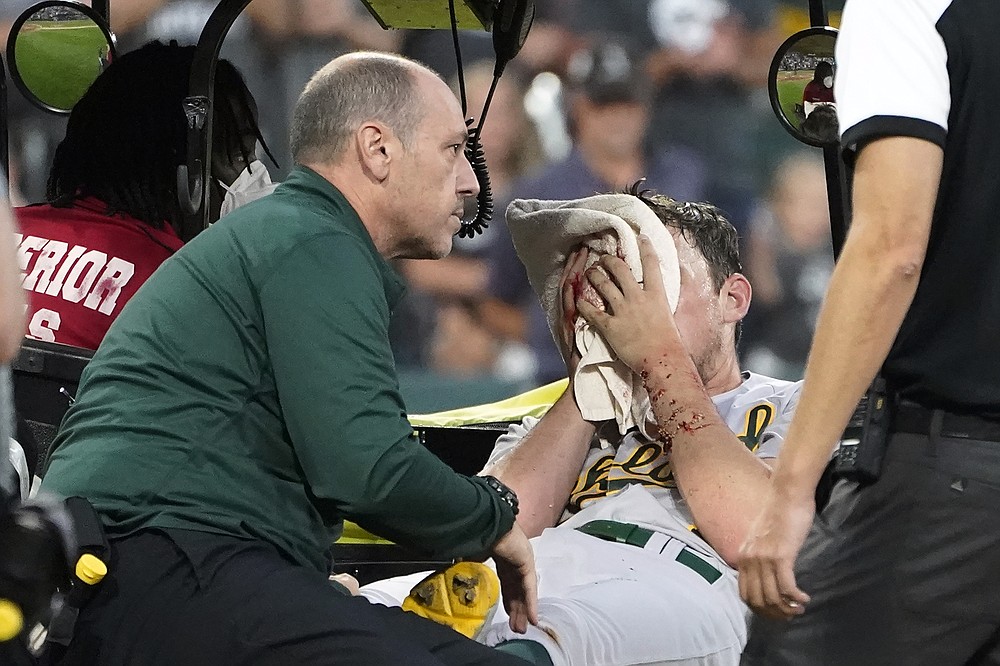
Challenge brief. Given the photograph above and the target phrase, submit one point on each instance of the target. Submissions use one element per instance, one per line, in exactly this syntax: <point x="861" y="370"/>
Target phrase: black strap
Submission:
<point x="91" y="542"/>
<point x="90" y="537"/>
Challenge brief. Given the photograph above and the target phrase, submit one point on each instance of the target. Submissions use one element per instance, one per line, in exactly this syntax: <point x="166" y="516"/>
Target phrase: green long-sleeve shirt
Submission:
<point x="249" y="389"/>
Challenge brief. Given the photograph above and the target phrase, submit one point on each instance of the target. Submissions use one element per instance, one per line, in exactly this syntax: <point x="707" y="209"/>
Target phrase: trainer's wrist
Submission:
<point x="506" y="495"/>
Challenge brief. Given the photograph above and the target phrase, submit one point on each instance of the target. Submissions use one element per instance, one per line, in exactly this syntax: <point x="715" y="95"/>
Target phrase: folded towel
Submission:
<point x="544" y="233"/>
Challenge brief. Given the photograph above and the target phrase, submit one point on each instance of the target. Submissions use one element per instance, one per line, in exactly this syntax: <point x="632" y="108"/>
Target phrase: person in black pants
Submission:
<point x="247" y="404"/>
<point x="902" y="567"/>
<point x="196" y="598"/>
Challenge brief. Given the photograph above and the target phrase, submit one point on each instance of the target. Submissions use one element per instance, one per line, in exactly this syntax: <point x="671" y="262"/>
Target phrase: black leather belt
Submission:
<point x="921" y="421"/>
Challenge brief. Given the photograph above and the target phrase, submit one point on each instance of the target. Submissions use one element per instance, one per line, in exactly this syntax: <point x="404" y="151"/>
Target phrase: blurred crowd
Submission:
<point x="603" y="94"/>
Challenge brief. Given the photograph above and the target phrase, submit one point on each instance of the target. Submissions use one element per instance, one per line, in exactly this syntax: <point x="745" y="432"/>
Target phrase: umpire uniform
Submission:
<point x="907" y="570"/>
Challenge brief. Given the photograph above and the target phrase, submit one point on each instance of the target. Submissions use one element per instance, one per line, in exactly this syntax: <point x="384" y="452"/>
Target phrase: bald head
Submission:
<point x="349" y="91"/>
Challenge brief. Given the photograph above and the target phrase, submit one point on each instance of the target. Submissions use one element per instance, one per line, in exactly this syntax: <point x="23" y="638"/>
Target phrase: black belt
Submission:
<point x="922" y="421"/>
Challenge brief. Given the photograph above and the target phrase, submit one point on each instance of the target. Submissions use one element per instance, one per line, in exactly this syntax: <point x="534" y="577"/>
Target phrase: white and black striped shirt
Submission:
<point x="931" y="69"/>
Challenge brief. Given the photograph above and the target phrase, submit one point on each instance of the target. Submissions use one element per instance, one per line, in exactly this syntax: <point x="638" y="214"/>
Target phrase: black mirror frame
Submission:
<point x="23" y="18"/>
<point x="772" y="81"/>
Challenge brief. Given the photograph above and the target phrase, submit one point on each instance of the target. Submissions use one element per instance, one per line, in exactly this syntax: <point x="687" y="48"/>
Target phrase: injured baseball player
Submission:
<point x="636" y="529"/>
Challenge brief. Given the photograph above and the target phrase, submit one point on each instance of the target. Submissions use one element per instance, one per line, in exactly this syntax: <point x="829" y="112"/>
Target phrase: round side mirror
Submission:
<point x="56" y="50"/>
<point x="800" y="85"/>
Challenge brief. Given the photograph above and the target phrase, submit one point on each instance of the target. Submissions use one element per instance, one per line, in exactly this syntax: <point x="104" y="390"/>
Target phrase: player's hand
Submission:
<point x="767" y="558"/>
<point x="570" y="285"/>
<point x="515" y="563"/>
<point x="636" y="322"/>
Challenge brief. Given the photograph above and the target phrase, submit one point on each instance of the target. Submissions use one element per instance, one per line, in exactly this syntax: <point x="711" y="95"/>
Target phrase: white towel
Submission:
<point x="544" y="233"/>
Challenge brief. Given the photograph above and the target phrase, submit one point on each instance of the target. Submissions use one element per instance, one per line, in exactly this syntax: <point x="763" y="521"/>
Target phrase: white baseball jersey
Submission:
<point x="758" y="411"/>
<point x="611" y="604"/>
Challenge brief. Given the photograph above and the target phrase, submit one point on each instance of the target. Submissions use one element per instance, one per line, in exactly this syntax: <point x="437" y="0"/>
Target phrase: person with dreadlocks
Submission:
<point x="113" y="214"/>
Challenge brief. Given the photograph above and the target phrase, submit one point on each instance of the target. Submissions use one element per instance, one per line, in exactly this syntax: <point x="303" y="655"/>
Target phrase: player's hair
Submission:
<point x="705" y="227"/>
<point x="128" y="133"/>
<point x="821" y="124"/>
<point x="349" y="91"/>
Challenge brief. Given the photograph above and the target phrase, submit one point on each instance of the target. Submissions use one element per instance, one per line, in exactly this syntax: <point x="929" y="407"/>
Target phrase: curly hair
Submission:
<point x="128" y="133"/>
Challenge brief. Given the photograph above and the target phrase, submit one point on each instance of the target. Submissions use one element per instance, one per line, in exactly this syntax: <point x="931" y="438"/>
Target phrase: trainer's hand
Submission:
<point x="637" y="319"/>
<point x="515" y="562"/>
<point x="767" y="558"/>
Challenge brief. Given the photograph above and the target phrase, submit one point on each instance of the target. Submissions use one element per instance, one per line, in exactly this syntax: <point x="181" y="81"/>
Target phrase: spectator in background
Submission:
<point x="790" y="260"/>
<point x="547" y="48"/>
<point x="708" y="60"/>
<point x="818" y="115"/>
<point x="113" y="212"/>
<point x="294" y="38"/>
<point x="820" y="89"/>
<point x="445" y="298"/>
<point x="509" y="139"/>
<point x="609" y="115"/>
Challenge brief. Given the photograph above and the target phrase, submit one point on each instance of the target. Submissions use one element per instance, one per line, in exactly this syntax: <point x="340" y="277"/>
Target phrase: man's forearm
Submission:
<point x="871" y="289"/>
<point x="865" y="305"/>
<point x="718" y="476"/>
<point x="545" y="465"/>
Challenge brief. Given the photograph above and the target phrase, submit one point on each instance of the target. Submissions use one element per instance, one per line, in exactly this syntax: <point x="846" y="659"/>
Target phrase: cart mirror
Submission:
<point x="800" y="85"/>
<point x="56" y="50"/>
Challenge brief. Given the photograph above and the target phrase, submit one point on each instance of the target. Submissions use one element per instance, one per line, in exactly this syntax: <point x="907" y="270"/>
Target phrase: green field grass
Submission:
<point x="790" y="87"/>
<point x="58" y="60"/>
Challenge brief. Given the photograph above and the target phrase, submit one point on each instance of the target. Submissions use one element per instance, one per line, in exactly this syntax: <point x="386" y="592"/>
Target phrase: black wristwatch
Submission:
<point x="507" y="496"/>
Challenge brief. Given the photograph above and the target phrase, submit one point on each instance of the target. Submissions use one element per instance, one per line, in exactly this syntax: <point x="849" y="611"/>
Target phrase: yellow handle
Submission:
<point x="90" y="569"/>
<point x="11" y="620"/>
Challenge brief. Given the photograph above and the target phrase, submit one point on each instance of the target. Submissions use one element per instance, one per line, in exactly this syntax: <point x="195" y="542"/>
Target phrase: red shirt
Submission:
<point x="817" y="92"/>
<point x="81" y="266"/>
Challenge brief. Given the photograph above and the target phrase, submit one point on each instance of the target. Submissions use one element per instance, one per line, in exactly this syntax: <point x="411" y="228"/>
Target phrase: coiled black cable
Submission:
<point x="477" y="157"/>
<point x="474" y="148"/>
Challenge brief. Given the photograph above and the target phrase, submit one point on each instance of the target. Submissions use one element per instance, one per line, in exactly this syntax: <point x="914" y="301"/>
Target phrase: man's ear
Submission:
<point x="735" y="298"/>
<point x="375" y="149"/>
